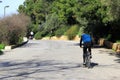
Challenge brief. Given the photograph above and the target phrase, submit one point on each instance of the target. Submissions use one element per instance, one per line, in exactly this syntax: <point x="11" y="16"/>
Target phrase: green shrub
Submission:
<point x="38" y="35"/>
<point x="108" y="37"/>
<point x="52" y="23"/>
<point x="81" y="30"/>
<point x="118" y="41"/>
<point x="72" y="32"/>
<point x="20" y="40"/>
<point x="2" y="46"/>
<point x="60" y="31"/>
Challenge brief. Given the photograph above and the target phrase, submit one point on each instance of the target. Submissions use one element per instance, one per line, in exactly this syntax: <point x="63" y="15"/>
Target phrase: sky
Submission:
<point x="12" y="9"/>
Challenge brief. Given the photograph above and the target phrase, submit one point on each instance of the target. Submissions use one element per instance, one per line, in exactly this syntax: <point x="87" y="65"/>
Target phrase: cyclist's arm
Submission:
<point x="91" y="42"/>
<point x="81" y="42"/>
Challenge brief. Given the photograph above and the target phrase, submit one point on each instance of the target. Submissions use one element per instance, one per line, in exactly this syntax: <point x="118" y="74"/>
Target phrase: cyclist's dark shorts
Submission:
<point x="87" y="44"/>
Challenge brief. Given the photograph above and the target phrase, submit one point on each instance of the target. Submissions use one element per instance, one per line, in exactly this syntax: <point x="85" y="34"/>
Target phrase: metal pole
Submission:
<point x="5" y="10"/>
<point x="0" y="2"/>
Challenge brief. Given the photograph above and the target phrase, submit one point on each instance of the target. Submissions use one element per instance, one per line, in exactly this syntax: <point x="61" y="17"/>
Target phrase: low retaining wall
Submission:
<point x="25" y="40"/>
<point x="61" y="38"/>
<point x="110" y="45"/>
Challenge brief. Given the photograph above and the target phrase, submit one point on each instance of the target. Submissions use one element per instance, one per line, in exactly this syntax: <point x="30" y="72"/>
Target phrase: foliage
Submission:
<point x="66" y="10"/>
<point x="72" y="32"/>
<point x="115" y="8"/>
<point x="59" y="32"/>
<point x="94" y="16"/>
<point x="3" y="32"/>
<point x="13" y="29"/>
<point x="115" y="24"/>
<point x="118" y="41"/>
<point x="37" y="10"/>
<point x="49" y="27"/>
<point x="2" y="46"/>
<point x="52" y="23"/>
<point x="38" y="35"/>
<point x="108" y="37"/>
<point x="81" y="30"/>
<point x="1" y="52"/>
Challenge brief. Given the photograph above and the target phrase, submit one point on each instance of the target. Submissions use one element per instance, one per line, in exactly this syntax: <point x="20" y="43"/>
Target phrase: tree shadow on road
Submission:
<point x="24" y="69"/>
<point x="117" y="56"/>
<point x="117" y="60"/>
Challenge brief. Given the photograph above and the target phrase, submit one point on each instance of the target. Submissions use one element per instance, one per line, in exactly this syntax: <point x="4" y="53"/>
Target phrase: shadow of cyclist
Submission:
<point x="94" y="64"/>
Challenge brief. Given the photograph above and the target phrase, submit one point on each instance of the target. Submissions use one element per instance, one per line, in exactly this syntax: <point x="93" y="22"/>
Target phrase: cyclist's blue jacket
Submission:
<point x="85" y="38"/>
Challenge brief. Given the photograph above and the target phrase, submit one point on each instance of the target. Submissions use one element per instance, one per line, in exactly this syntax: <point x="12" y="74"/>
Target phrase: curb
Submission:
<point x="25" y="40"/>
<point x="18" y="45"/>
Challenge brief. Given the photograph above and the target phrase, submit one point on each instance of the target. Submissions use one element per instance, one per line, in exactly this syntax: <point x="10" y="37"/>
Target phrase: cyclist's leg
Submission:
<point x="89" y="49"/>
<point x="90" y="56"/>
<point x="84" y="54"/>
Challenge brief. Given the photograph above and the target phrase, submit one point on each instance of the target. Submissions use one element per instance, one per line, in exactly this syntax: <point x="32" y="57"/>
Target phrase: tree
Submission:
<point x="66" y="10"/>
<point x="91" y="15"/>
<point x="36" y="9"/>
<point x="94" y="16"/>
<point x="115" y="8"/>
<point x="115" y="27"/>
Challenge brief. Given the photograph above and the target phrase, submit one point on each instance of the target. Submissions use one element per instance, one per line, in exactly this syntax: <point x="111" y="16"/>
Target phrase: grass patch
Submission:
<point x="118" y="41"/>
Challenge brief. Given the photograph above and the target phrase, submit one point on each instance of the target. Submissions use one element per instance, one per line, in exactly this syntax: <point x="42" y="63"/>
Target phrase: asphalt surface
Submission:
<point x="57" y="60"/>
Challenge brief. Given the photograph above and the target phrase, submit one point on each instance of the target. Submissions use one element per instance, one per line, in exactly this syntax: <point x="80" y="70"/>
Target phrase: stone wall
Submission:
<point x="101" y="42"/>
<point x="60" y="38"/>
<point x="110" y="45"/>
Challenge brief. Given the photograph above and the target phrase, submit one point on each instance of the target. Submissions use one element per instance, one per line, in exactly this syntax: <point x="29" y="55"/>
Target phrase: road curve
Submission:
<point x="57" y="60"/>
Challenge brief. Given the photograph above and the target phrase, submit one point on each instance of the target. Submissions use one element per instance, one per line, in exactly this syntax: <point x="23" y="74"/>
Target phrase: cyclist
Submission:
<point x="86" y="41"/>
<point x="31" y="35"/>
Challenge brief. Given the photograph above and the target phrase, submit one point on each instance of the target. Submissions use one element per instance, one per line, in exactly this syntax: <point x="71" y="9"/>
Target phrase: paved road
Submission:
<point x="57" y="60"/>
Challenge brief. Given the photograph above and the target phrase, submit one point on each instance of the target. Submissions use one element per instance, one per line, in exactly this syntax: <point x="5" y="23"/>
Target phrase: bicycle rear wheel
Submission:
<point x="88" y="62"/>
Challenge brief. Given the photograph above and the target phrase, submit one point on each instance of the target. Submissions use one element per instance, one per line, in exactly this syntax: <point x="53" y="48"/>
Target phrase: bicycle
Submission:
<point x="88" y="60"/>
